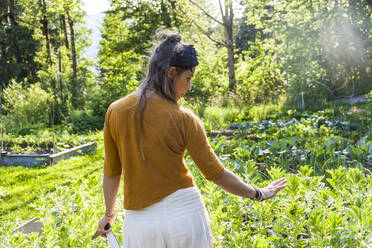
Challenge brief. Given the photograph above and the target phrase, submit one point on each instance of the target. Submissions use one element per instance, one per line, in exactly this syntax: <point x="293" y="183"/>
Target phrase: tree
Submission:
<point x="117" y="63"/>
<point x="73" y="48"/>
<point x="323" y="47"/>
<point x="248" y="33"/>
<point x="45" y="23"/>
<point x="143" y="18"/>
<point x="17" y="47"/>
<point x="34" y="47"/>
<point x="227" y="15"/>
<point x="127" y="37"/>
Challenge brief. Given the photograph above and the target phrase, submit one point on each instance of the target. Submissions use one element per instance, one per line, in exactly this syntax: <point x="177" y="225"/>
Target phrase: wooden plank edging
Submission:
<point x="80" y="150"/>
<point x="50" y="159"/>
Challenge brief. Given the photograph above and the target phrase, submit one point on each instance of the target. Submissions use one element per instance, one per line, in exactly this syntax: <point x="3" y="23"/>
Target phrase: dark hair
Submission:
<point x="157" y="76"/>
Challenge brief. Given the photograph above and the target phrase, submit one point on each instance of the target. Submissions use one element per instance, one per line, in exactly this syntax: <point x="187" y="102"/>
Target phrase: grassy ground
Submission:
<point x="327" y="205"/>
<point x="66" y="196"/>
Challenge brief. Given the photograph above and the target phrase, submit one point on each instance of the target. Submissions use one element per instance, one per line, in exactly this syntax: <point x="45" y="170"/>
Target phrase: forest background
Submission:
<point x="290" y="54"/>
<point x="270" y="72"/>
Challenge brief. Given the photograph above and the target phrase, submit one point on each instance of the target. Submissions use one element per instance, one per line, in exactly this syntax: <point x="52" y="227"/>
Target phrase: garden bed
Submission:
<point x="44" y="147"/>
<point x="45" y="158"/>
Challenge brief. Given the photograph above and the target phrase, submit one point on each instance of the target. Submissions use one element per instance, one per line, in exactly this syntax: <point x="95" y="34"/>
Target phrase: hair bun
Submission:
<point x="171" y="37"/>
<point x="174" y="37"/>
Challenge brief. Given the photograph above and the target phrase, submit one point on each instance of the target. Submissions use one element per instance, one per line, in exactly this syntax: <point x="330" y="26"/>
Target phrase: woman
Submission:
<point x="145" y="137"/>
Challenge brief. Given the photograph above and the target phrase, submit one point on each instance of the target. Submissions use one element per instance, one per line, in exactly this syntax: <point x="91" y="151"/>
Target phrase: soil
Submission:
<point x="228" y="133"/>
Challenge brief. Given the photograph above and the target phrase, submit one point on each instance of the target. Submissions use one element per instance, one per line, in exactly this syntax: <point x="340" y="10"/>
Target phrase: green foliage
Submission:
<point x="311" y="52"/>
<point x="78" y="92"/>
<point x="60" y="102"/>
<point x="18" y="49"/>
<point x="265" y="111"/>
<point x="36" y="46"/>
<point x="316" y="43"/>
<point x="327" y="201"/>
<point x="143" y="18"/>
<point x="120" y="67"/>
<point x="245" y="35"/>
<point x="305" y="214"/>
<point x="216" y="117"/>
<point x="26" y="107"/>
<point x="210" y="80"/>
<point x="259" y="78"/>
<point x="43" y="141"/>
<point x="82" y="122"/>
<point x="127" y="37"/>
<point x="57" y="195"/>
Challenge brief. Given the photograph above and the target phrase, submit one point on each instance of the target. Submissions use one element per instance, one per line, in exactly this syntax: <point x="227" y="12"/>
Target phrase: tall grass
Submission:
<point x="223" y="111"/>
<point x="263" y="111"/>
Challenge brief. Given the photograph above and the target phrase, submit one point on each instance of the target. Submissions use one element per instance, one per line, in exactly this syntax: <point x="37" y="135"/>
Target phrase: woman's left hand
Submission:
<point x="273" y="188"/>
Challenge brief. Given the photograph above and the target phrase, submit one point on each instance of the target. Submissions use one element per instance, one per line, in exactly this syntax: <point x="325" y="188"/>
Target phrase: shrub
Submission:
<point x="258" y="77"/>
<point x="82" y="122"/>
<point x="25" y="108"/>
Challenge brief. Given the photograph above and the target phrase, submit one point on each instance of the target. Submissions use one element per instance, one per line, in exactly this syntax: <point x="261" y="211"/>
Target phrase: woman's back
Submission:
<point x="167" y="130"/>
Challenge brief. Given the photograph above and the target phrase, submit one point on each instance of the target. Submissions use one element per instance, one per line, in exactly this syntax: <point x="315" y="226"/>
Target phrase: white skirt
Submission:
<point x="178" y="221"/>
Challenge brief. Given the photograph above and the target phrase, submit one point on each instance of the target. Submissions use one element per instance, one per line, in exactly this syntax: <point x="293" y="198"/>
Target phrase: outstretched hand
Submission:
<point x="273" y="188"/>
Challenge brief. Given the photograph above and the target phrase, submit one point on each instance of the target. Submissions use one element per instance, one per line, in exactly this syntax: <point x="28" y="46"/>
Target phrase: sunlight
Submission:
<point x="94" y="7"/>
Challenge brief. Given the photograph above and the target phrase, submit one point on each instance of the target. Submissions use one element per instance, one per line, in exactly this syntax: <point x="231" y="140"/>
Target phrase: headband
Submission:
<point x="186" y="58"/>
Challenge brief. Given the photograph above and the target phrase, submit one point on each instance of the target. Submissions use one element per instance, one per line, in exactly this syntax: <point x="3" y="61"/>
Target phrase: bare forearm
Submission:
<point x="232" y="184"/>
<point x="110" y="190"/>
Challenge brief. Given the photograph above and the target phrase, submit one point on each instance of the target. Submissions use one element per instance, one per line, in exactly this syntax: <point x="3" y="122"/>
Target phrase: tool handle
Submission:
<point x="108" y="225"/>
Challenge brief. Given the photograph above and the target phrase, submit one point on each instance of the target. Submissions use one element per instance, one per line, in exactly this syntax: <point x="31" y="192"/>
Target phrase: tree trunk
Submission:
<point x="1" y="96"/>
<point x="227" y="23"/>
<point x="228" y="27"/>
<point x="60" y="77"/>
<point x="44" y="21"/>
<point x="12" y="14"/>
<point x="174" y="8"/>
<point x="73" y="50"/>
<point x="64" y="28"/>
<point x="14" y="24"/>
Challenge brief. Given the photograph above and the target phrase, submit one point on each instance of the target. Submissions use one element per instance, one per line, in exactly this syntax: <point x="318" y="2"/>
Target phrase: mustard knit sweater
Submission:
<point x="168" y="130"/>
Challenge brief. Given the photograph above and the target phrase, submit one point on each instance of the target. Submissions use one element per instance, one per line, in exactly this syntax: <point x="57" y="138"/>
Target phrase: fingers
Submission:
<point x="273" y="188"/>
<point x="279" y="184"/>
<point x="104" y="226"/>
<point x="101" y="231"/>
<point x="280" y="181"/>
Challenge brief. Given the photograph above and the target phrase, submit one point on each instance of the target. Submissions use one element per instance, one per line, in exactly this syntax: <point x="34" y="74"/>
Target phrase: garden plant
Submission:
<point x="325" y="155"/>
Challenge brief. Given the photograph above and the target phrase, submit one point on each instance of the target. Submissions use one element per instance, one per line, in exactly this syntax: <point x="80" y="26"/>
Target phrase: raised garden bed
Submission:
<point x="46" y="158"/>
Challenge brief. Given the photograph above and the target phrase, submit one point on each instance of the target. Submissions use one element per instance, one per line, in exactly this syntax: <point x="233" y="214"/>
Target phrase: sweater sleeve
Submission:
<point x="201" y="152"/>
<point x="112" y="165"/>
